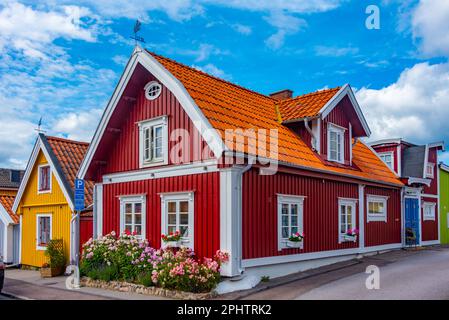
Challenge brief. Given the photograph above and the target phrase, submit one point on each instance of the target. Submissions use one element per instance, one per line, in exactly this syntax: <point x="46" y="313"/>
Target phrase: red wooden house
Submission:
<point x="417" y="165"/>
<point x="174" y="151"/>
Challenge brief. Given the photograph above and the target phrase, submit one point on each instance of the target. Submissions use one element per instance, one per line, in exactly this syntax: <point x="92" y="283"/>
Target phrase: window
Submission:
<point x="177" y="215"/>
<point x="15" y="176"/>
<point x="133" y="215"/>
<point x="377" y="208"/>
<point x="346" y="216"/>
<point x="44" y="178"/>
<point x="43" y="231"/>
<point x="335" y="142"/>
<point x="430" y="170"/>
<point x="290" y="218"/>
<point x="153" y="142"/>
<point x="387" y="157"/>
<point x="153" y="90"/>
<point x="429" y="211"/>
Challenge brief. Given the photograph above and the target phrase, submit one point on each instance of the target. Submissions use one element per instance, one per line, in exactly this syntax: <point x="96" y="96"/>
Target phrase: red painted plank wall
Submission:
<point x="124" y="152"/>
<point x="259" y="212"/>
<point x="86" y="230"/>
<point x="207" y="207"/>
<point x="379" y="232"/>
<point x="433" y="158"/>
<point x="429" y="227"/>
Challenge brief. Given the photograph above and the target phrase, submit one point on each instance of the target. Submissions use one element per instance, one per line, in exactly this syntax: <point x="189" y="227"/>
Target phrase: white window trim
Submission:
<point x="38" y="216"/>
<point x="148" y="85"/>
<point x="432" y="165"/>
<point x="133" y="199"/>
<point x="159" y="121"/>
<point x="39" y="178"/>
<point x="432" y="205"/>
<point x="290" y="199"/>
<point x="376" y="217"/>
<point x="388" y="153"/>
<point x="179" y="196"/>
<point x="341" y="131"/>
<point x="346" y="202"/>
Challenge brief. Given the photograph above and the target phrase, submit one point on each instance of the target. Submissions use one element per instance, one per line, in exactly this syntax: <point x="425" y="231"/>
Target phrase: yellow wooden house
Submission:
<point x="44" y="201"/>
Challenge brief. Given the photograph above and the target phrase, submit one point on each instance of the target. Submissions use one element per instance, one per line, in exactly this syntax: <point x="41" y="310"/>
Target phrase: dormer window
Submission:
<point x="153" y="142"/>
<point x="430" y="170"/>
<point x="387" y="157"/>
<point x="335" y="143"/>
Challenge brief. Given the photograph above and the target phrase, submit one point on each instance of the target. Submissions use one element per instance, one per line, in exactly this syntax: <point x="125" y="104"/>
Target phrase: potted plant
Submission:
<point x="55" y="255"/>
<point x="351" y="235"/>
<point x="172" y="240"/>
<point x="295" y="240"/>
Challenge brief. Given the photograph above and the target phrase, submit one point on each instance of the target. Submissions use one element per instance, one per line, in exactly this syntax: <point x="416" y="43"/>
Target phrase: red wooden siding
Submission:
<point x="379" y="232"/>
<point x="206" y="188"/>
<point x="86" y="230"/>
<point x="429" y="227"/>
<point x="260" y="216"/>
<point x="393" y="149"/>
<point x="433" y="189"/>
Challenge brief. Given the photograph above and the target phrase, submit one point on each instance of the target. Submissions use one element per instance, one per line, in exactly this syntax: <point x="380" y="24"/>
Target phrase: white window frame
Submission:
<point x="290" y="199"/>
<point x="133" y="199"/>
<point x="150" y="84"/>
<point x="39" y="178"/>
<point x="348" y="203"/>
<point x="182" y="196"/>
<point x="373" y="217"/>
<point x="151" y="124"/>
<point x="340" y="131"/>
<point x="432" y="167"/>
<point x="391" y="154"/>
<point x="432" y="206"/>
<point x="38" y="216"/>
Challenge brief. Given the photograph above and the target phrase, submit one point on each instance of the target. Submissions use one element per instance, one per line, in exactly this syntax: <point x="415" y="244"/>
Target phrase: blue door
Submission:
<point x="411" y="221"/>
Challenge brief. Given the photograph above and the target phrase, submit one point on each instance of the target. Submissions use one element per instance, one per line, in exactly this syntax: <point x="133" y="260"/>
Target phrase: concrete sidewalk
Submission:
<point x="28" y="284"/>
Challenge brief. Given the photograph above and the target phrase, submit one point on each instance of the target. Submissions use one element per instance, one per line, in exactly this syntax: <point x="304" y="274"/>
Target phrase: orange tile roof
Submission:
<point x="7" y="203"/>
<point x="307" y="105"/>
<point x="229" y="106"/>
<point x="70" y="154"/>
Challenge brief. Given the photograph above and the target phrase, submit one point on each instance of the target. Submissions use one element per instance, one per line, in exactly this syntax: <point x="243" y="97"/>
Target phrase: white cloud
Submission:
<point x="286" y="25"/>
<point x="78" y="126"/>
<point x="213" y="70"/>
<point x="430" y="25"/>
<point x="414" y="107"/>
<point x="294" y="6"/>
<point x="242" y="29"/>
<point x="335" y="51"/>
<point x="204" y="52"/>
<point x="120" y="60"/>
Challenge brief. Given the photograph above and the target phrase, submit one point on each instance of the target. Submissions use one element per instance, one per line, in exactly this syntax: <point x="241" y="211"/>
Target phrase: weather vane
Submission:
<point x="136" y="37"/>
<point x="39" y="124"/>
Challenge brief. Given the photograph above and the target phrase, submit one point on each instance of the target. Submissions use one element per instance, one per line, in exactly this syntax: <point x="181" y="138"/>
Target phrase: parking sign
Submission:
<point x="79" y="195"/>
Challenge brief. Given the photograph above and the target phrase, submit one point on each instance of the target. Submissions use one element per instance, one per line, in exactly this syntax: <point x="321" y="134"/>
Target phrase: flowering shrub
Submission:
<point x="296" y="237"/>
<point x="128" y="258"/>
<point x="171" y="237"/>
<point x="352" y="232"/>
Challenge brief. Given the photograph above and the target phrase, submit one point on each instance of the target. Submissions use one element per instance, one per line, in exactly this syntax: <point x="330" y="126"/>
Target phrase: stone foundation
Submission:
<point x="140" y="289"/>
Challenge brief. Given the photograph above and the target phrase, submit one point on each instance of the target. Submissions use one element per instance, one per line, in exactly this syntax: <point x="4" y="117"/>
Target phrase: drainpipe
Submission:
<point x="306" y="124"/>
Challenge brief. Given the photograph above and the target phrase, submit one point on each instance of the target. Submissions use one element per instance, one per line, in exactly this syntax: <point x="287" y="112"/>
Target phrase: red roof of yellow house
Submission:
<point x="7" y="202"/>
<point x="70" y="154"/>
<point x="229" y="106"/>
<point x="307" y="105"/>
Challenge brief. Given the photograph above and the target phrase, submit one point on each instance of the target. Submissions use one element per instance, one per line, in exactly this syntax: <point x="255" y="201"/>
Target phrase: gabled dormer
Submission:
<point x="328" y="121"/>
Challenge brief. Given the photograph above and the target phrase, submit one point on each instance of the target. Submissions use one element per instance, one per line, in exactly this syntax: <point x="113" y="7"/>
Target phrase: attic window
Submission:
<point x="335" y="143"/>
<point x="430" y="170"/>
<point x="153" y="90"/>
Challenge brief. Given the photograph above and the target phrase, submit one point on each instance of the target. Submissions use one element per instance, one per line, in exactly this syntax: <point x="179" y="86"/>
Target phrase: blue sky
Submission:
<point x="61" y="59"/>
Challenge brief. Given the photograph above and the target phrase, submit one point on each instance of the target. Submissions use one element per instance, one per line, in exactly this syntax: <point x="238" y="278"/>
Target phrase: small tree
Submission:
<point x="55" y="253"/>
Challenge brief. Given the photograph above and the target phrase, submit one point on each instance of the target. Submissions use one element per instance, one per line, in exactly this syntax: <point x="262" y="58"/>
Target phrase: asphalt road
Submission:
<point x="403" y="275"/>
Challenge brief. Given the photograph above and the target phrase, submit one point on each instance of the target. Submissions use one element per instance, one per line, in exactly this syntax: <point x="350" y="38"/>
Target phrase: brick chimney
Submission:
<point x="282" y="95"/>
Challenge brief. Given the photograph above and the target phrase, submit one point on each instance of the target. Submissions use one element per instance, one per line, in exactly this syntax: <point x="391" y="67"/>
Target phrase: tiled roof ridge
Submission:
<point x="213" y="77"/>
<point x="311" y="94"/>
<point x="68" y="140"/>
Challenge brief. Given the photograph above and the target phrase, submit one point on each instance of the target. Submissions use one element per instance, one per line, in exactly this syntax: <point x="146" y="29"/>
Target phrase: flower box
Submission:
<point x="173" y="244"/>
<point x="49" y="272"/>
<point x="347" y="237"/>
<point x="294" y="244"/>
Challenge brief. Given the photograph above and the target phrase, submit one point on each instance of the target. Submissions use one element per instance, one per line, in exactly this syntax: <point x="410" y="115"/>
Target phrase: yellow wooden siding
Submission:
<point x="32" y="204"/>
